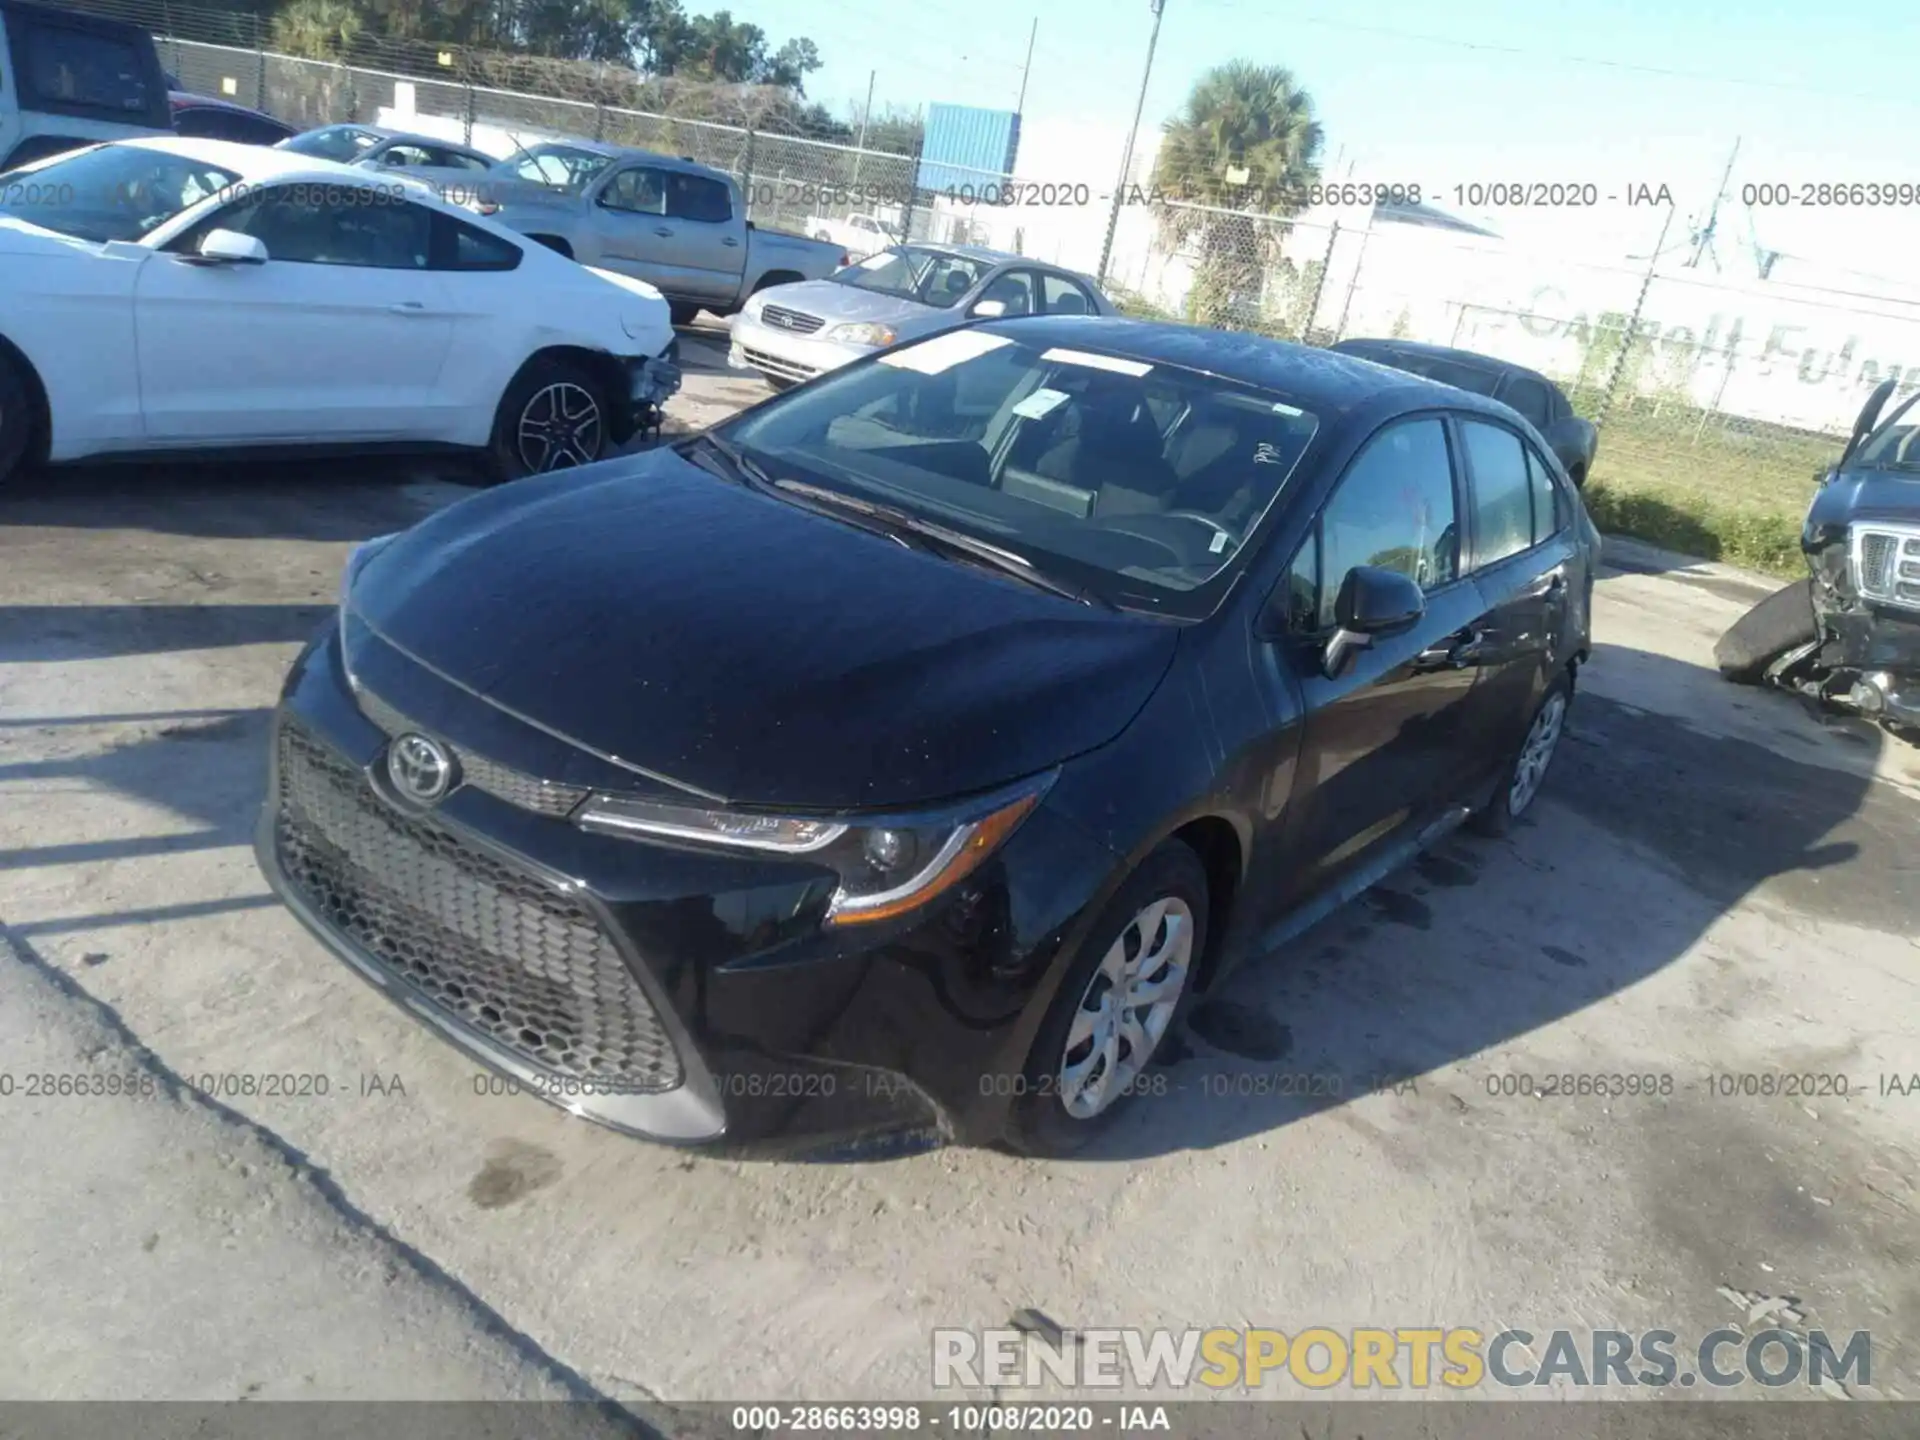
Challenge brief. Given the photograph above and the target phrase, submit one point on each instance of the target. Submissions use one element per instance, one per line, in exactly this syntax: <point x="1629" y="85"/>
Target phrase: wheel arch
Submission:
<point x="1222" y="851"/>
<point x="40" y="441"/>
<point x="609" y="374"/>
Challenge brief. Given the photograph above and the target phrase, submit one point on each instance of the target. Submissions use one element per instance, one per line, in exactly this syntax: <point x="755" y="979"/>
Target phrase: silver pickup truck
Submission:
<point x="679" y="226"/>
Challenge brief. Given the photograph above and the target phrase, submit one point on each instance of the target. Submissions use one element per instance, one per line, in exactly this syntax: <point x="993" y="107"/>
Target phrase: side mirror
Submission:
<point x="230" y="247"/>
<point x="988" y="309"/>
<point x="1372" y="602"/>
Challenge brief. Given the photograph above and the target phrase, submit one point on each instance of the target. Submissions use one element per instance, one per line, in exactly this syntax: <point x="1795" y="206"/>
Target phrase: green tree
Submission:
<point x="1245" y="142"/>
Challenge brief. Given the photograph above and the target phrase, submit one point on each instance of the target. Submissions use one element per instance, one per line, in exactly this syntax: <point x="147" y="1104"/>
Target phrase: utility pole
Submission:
<point x="860" y="145"/>
<point x="1020" y="105"/>
<point x="1703" y="237"/>
<point x="1126" y="159"/>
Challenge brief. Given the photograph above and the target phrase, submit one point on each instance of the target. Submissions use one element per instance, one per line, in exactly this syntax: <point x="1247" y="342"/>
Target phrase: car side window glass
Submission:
<point x="1013" y="289"/>
<point x="460" y="246"/>
<point x="332" y="225"/>
<point x="78" y="67"/>
<point x="1549" y="510"/>
<point x="641" y="190"/>
<point x="457" y="160"/>
<point x="1302" y="587"/>
<point x="1502" y="492"/>
<point x="1395" y="510"/>
<point x="698" y="198"/>
<point x="1065" y="297"/>
<point x="1530" y="398"/>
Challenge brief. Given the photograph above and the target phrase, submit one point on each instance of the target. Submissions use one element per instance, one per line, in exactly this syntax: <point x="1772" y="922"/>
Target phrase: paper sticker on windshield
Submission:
<point x="1220" y="538"/>
<point x="943" y="352"/>
<point x="1292" y="412"/>
<point x="1098" y="362"/>
<point x="1041" y="402"/>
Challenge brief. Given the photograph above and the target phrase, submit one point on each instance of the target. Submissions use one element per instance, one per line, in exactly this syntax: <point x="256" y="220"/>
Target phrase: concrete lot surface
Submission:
<point x="1715" y="883"/>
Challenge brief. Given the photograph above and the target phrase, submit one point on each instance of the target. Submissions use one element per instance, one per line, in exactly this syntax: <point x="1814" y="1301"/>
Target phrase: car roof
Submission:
<point x="631" y="152"/>
<point x="215" y="102"/>
<point x="1324" y="381"/>
<point x="258" y="163"/>
<point x="410" y="137"/>
<point x="1440" y="352"/>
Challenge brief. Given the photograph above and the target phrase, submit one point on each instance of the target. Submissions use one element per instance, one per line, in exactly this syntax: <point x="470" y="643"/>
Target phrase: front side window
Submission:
<point x="1394" y="509"/>
<point x="640" y="190"/>
<point x="1013" y="289"/>
<point x="1067" y="297"/>
<point x="1530" y="398"/>
<point x="1063" y="456"/>
<point x="328" y="225"/>
<point x="914" y="272"/>
<point x="109" y="192"/>
<point x="1502" y="492"/>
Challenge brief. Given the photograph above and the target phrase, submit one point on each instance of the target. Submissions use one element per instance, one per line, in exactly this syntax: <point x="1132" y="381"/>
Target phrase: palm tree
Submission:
<point x="1246" y="142"/>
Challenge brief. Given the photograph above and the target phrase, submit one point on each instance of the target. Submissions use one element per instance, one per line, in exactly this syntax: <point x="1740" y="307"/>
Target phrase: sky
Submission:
<point x="1632" y="92"/>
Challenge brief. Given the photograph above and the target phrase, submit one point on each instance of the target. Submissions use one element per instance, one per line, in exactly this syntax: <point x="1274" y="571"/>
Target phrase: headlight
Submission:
<point x="864" y="333"/>
<point x="886" y="868"/>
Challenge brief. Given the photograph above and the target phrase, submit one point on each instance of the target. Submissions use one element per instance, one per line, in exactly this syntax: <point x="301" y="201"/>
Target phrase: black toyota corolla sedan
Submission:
<point x="901" y="756"/>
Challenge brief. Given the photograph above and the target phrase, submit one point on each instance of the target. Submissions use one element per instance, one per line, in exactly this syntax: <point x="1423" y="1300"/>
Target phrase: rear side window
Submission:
<point x="74" y="68"/>
<point x="1502" y="492"/>
<point x="460" y="246"/>
<point x="698" y="198"/>
<point x="1531" y="399"/>
<point x="1549" y="503"/>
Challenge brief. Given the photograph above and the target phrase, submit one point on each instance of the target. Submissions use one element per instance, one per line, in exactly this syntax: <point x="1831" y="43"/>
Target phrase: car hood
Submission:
<point x="1869" y="495"/>
<point x="840" y="304"/>
<point x="748" y="649"/>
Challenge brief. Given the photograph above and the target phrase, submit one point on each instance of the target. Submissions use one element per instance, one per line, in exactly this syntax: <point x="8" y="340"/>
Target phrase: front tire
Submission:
<point x="1520" y="783"/>
<point x="553" y="417"/>
<point x="1126" y="990"/>
<point x="682" y="314"/>
<point x="17" y="419"/>
<point x="1766" y="632"/>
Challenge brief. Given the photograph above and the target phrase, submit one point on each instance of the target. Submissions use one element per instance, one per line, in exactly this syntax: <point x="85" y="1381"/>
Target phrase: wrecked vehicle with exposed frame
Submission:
<point x="1848" y="635"/>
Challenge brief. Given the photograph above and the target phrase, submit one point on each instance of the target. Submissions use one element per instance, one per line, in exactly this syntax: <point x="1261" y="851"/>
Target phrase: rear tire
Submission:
<point x="18" y="420"/>
<point x="554" y="416"/>
<point x="683" y="314"/>
<point x="1766" y="632"/>
<point x="1152" y="933"/>
<point x="1520" y="782"/>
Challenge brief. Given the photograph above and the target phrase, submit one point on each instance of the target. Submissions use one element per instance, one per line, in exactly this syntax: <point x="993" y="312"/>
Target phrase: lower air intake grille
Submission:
<point x="502" y="952"/>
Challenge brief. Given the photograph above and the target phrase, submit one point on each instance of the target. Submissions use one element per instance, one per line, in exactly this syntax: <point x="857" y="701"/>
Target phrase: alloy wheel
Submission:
<point x="559" y="428"/>
<point x="1536" y="754"/>
<point x="1128" y="1004"/>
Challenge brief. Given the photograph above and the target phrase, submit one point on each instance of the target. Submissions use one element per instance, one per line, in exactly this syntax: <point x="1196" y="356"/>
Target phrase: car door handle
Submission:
<point x="407" y="307"/>
<point x="664" y="232"/>
<point x="730" y="241"/>
<point x="1456" y="652"/>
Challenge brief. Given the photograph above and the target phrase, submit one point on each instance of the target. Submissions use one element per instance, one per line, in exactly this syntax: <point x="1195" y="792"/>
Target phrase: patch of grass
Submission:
<point x="1695" y="525"/>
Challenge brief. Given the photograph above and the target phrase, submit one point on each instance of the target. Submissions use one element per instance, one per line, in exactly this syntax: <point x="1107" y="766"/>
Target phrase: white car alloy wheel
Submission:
<point x="560" y="426"/>
<point x="1537" y="753"/>
<point x="1128" y="1004"/>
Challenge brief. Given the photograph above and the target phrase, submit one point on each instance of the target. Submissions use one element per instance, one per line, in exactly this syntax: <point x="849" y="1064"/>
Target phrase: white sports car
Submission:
<point x="173" y="295"/>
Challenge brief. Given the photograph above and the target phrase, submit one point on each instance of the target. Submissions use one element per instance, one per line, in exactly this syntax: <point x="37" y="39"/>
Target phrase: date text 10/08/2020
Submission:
<point x="1009" y="193"/>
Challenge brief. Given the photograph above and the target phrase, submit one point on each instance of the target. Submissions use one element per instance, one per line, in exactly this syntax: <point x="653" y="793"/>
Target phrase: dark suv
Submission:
<point x="1540" y="402"/>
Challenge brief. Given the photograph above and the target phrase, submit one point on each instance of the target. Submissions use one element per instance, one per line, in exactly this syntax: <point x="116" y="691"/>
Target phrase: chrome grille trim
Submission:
<point x="781" y="318"/>
<point x="503" y="782"/>
<point x="466" y="934"/>
<point x="1882" y="555"/>
<point x="773" y="364"/>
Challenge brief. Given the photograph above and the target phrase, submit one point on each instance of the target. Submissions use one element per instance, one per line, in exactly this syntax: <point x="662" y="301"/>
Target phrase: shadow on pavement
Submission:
<point x="1483" y="941"/>
<point x="47" y="634"/>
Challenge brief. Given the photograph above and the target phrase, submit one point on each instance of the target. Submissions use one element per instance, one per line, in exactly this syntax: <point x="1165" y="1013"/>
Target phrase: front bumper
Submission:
<point x="680" y="996"/>
<point x="651" y="382"/>
<point x="784" y="355"/>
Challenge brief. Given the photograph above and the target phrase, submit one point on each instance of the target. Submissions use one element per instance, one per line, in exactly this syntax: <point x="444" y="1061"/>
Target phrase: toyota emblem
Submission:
<point x="421" y="769"/>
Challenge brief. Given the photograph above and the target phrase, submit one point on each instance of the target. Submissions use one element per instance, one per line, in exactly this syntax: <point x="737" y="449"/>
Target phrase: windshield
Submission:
<point x="344" y="143"/>
<point x="1895" y="444"/>
<point x="111" y="192"/>
<point x="1137" y="482"/>
<point x="913" y="272"/>
<point x="560" y="167"/>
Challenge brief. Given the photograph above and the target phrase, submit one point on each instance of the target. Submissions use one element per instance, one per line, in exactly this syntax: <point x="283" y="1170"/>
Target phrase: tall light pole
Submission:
<point x="1126" y="160"/>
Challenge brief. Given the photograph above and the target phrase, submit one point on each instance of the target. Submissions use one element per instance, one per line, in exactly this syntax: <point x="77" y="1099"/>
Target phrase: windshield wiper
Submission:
<point x="951" y="543"/>
<point x="745" y="469"/>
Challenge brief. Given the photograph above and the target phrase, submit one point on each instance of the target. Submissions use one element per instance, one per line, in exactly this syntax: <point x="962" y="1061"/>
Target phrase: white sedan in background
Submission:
<point x="171" y="295"/>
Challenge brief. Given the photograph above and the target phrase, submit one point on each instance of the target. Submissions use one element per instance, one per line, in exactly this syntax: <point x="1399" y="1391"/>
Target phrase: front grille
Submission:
<point x="782" y="318"/>
<point x="500" y="781"/>
<point x="1887" y="565"/>
<point x="774" y="365"/>
<point x="511" y="957"/>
